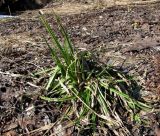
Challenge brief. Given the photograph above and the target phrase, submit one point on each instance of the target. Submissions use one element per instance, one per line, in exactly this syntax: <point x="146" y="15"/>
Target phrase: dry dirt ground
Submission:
<point x="126" y="36"/>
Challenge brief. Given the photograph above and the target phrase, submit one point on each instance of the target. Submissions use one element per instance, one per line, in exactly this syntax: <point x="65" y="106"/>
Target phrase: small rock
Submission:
<point x="84" y="28"/>
<point x="100" y="17"/>
<point x="46" y="120"/>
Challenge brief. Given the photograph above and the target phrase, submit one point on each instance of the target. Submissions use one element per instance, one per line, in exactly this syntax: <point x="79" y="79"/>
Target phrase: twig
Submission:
<point x="33" y="85"/>
<point x="11" y="74"/>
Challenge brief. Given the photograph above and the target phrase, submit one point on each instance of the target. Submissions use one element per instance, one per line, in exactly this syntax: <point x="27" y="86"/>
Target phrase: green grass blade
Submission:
<point x="65" y="34"/>
<point x="54" y="39"/>
<point x="56" y="58"/>
<point x="110" y="121"/>
<point x="58" y="99"/>
<point x="43" y="71"/>
<point x="52" y="78"/>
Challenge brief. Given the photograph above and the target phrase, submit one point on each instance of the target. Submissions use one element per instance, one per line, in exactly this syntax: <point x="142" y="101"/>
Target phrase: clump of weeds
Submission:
<point x="95" y="99"/>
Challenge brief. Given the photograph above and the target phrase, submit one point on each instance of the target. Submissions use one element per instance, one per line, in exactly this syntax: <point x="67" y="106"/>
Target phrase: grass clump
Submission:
<point x="93" y="96"/>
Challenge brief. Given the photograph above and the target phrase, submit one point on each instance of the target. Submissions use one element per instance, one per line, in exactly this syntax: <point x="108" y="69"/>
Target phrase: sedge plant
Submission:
<point x="92" y="94"/>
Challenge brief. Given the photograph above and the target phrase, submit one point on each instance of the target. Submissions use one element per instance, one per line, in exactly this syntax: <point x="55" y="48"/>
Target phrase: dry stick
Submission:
<point x="33" y="85"/>
<point x="9" y="10"/>
<point x="11" y="74"/>
<point x="47" y="127"/>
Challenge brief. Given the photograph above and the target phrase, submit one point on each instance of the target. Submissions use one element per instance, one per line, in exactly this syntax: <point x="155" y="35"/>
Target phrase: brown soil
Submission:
<point x="125" y="36"/>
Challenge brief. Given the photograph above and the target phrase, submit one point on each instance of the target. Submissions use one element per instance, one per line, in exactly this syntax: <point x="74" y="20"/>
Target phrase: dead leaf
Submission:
<point x="11" y="133"/>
